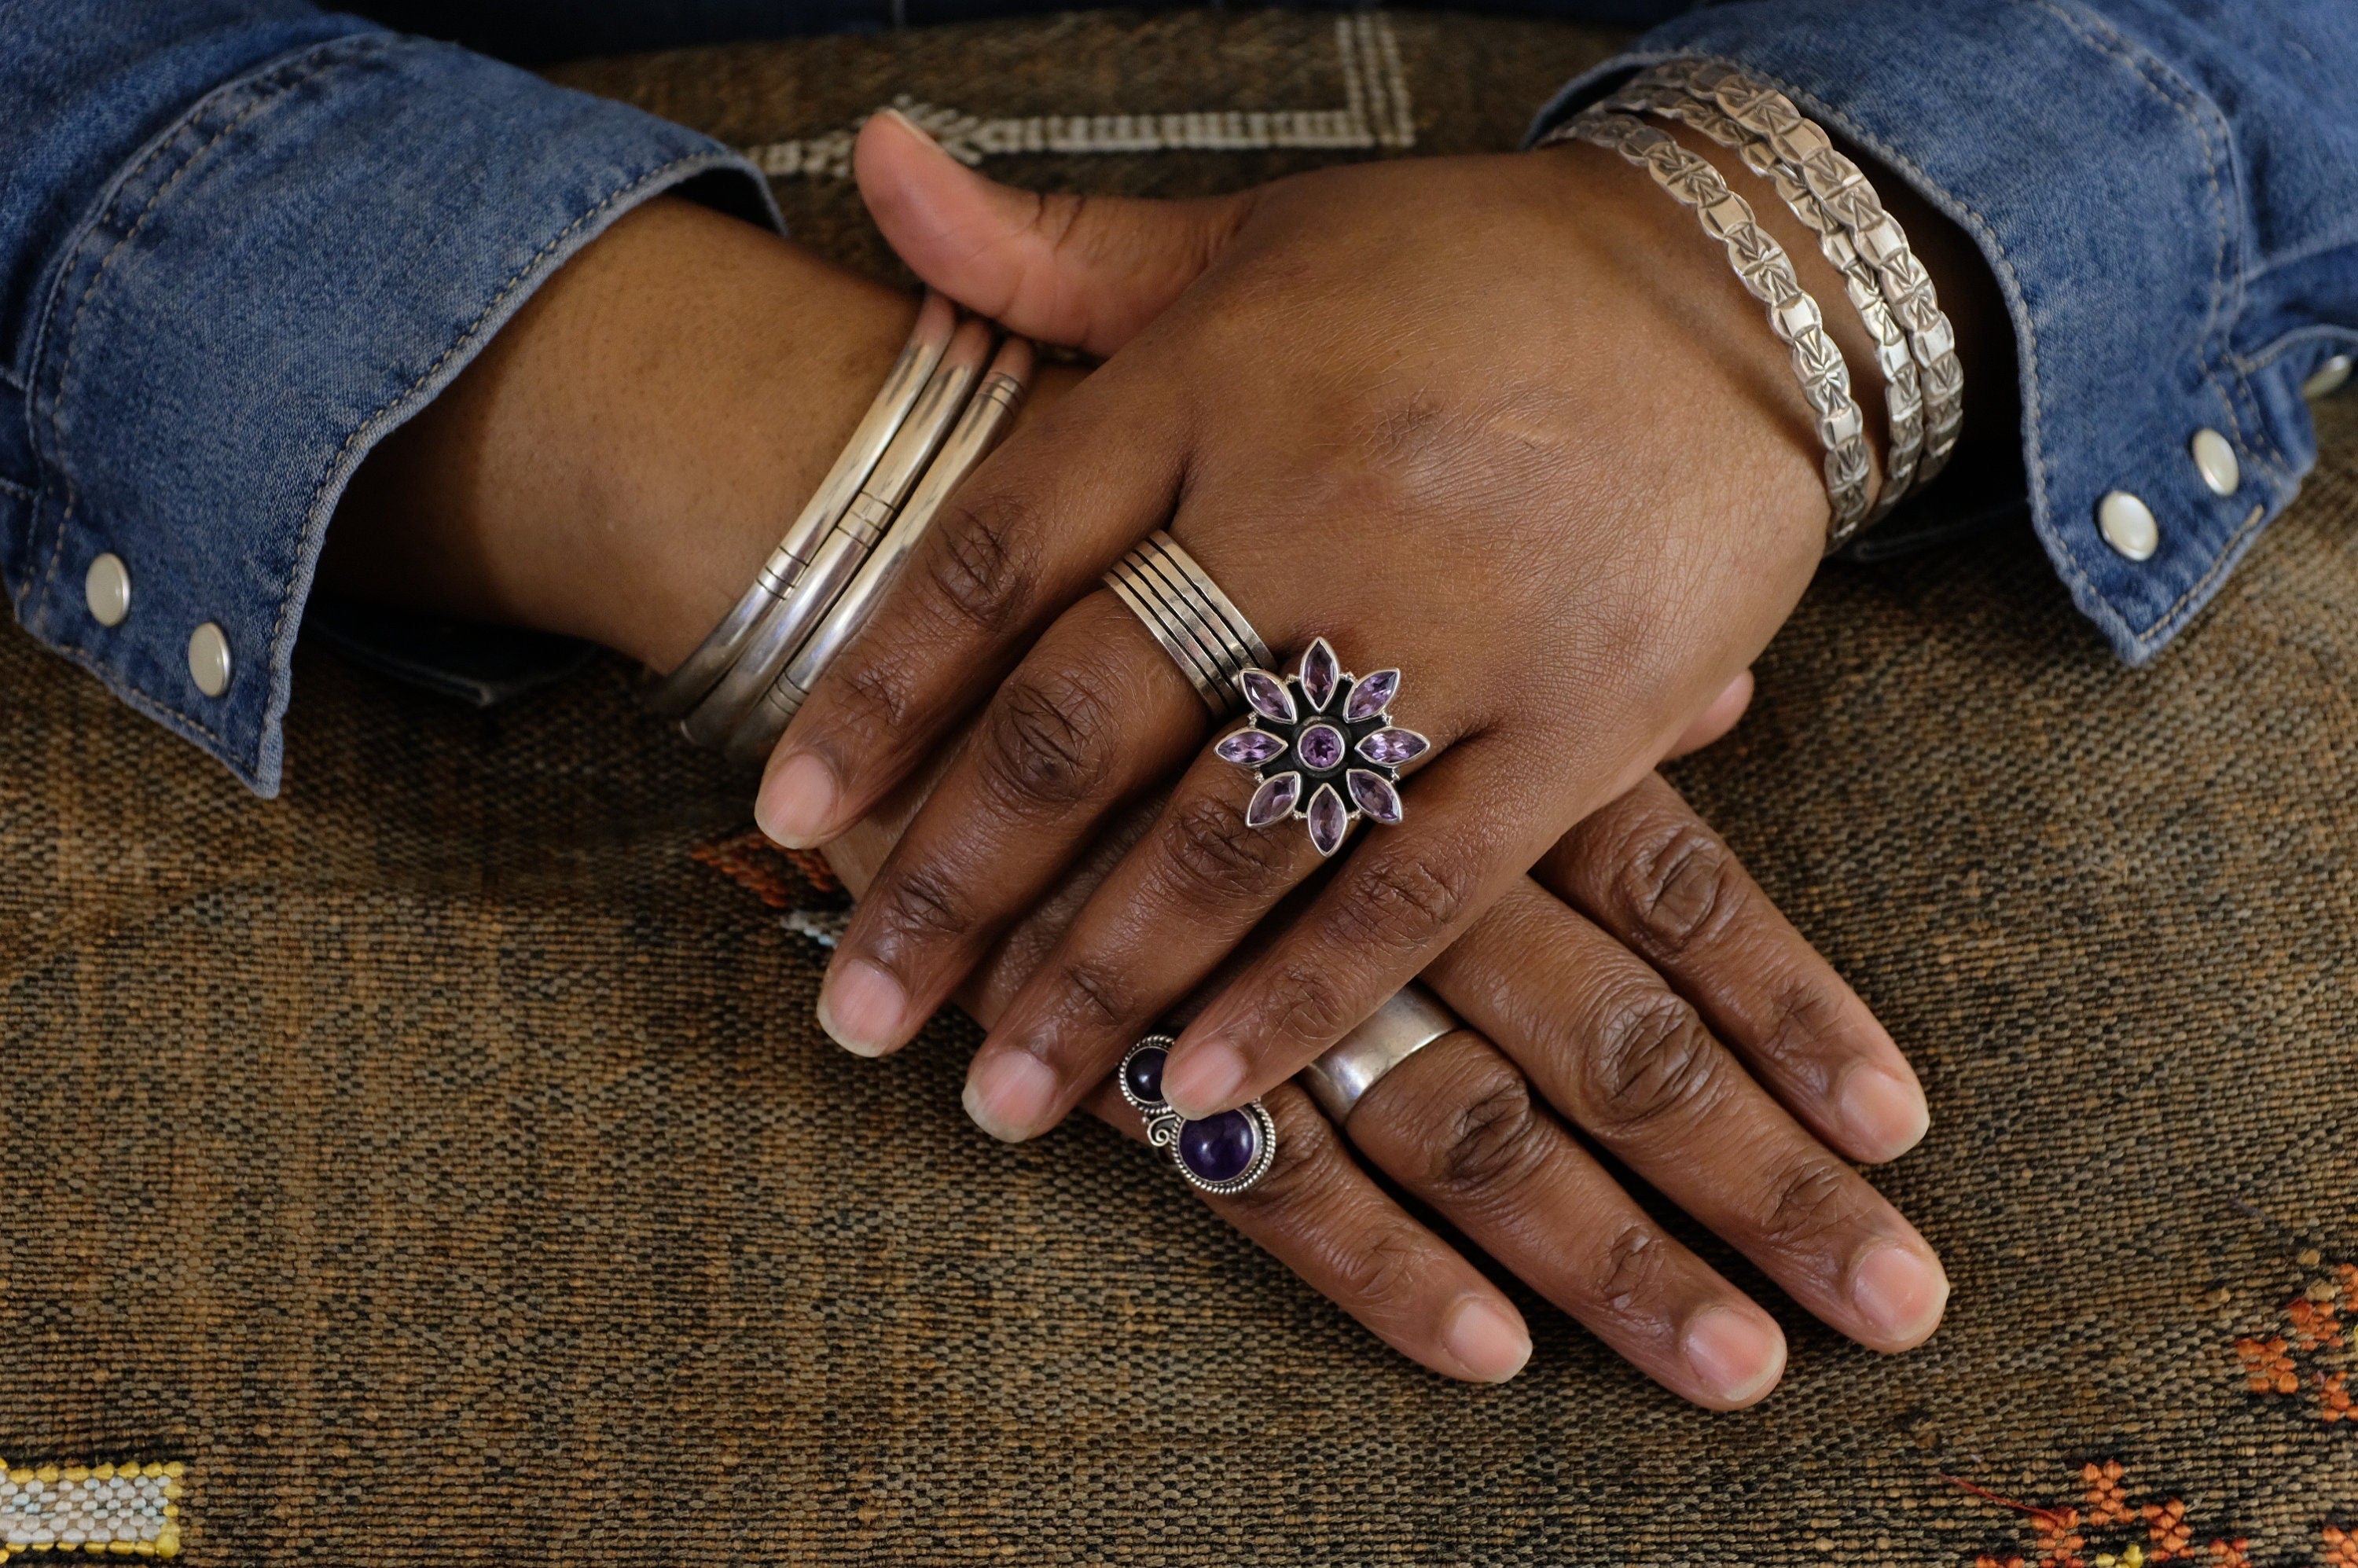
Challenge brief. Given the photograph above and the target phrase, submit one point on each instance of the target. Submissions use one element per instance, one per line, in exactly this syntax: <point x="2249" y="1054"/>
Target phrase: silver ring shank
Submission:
<point x="1413" y="1019"/>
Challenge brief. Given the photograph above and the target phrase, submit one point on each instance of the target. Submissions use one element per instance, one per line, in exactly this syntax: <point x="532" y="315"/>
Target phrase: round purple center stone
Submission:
<point x="1143" y="1074"/>
<point x="1219" y="1148"/>
<point x="1322" y="748"/>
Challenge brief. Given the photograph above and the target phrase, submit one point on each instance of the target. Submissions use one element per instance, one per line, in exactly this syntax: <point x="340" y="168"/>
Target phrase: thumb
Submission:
<point x="1086" y="272"/>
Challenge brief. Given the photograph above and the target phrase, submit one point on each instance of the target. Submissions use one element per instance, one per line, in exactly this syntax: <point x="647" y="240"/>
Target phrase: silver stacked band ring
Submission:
<point x="853" y="533"/>
<point x="1672" y="92"/>
<point x="987" y="417"/>
<point x="1768" y="274"/>
<point x="1185" y="613"/>
<point x="673" y="694"/>
<point x="1413" y="1019"/>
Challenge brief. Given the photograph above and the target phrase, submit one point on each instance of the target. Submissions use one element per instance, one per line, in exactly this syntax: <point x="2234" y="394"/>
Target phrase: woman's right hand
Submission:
<point x="1640" y="987"/>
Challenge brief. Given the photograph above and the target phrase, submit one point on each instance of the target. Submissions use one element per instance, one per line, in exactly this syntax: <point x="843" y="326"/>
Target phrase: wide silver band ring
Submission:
<point x="1413" y="1019"/>
<point x="1190" y="619"/>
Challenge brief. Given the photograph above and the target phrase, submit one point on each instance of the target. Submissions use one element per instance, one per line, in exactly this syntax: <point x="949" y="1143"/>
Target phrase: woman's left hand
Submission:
<point x="1510" y="423"/>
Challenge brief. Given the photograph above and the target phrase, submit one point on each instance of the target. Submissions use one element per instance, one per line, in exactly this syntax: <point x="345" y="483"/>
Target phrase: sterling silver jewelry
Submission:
<point x="1185" y="613"/>
<point x="1769" y="277"/>
<point x="673" y="694"/>
<point x="1677" y="91"/>
<point x="1224" y="1154"/>
<point x="1413" y="1019"/>
<point x="1849" y="197"/>
<point x="987" y="417"/>
<point x="848" y="541"/>
<point x="1322" y="746"/>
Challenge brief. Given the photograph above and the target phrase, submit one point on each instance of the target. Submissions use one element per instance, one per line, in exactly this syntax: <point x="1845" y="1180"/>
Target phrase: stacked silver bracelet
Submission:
<point x="939" y="414"/>
<point x="1915" y="346"/>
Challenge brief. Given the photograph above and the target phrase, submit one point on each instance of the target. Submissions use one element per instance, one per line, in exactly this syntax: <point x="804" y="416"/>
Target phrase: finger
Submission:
<point x="1322" y="1216"/>
<point x="1718" y="719"/>
<point x="1456" y="1126"/>
<point x="1628" y="1061"/>
<point x="1195" y="885"/>
<point x="1652" y="873"/>
<point x="1027" y="534"/>
<point x="1400" y="896"/>
<point x="1087" y="272"/>
<point x="1093" y="715"/>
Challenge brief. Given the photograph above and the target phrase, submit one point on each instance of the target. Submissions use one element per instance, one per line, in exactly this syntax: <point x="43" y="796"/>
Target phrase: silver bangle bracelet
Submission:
<point x="839" y="554"/>
<point x="673" y="694"/>
<point x="985" y="420"/>
<point x="1847" y="196"/>
<point x="1667" y="93"/>
<point x="1768" y="274"/>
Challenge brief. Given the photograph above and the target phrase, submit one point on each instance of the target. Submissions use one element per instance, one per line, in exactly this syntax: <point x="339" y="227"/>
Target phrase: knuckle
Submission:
<point x="1398" y="902"/>
<point x="877" y="694"/>
<point x="1384" y="1275"/>
<point x="918" y="908"/>
<point x="1804" y="1021"/>
<point x="1677" y="886"/>
<point x="1805" y="1204"/>
<point x="1297" y="1172"/>
<point x="977" y="570"/>
<point x="1313" y="1004"/>
<point x="1048" y="739"/>
<point x="1089" y="995"/>
<point x="1216" y="857"/>
<point x="1630" y="1269"/>
<point x="1650" y="1062"/>
<point x="1496" y="1142"/>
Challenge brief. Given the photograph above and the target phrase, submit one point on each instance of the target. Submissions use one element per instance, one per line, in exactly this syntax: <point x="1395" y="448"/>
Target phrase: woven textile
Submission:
<point x="440" y="1165"/>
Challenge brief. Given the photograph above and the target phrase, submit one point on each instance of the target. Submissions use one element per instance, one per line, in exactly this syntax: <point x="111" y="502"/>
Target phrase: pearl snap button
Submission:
<point x="106" y="589"/>
<point x="2127" y="525"/>
<point x="208" y="659"/>
<point x="2214" y="460"/>
<point x="2327" y="378"/>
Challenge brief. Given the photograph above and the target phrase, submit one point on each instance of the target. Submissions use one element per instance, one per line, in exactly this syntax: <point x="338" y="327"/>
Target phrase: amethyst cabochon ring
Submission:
<point x="1224" y="1154"/>
<point x="1322" y="746"/>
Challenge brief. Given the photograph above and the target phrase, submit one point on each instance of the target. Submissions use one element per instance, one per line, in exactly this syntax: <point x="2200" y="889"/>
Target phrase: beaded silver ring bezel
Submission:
<point x="1162" y="1125"/>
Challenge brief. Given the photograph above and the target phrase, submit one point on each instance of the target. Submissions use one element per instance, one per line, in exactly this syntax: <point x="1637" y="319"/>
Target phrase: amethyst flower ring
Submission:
<point x="1322" y="745"/>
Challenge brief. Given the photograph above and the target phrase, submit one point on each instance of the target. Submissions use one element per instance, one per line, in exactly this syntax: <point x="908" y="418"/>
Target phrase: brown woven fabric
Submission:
<point x="442" y="1163"/>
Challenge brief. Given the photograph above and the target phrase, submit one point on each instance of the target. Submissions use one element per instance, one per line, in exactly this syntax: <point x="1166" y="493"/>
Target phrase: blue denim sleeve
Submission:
<point x="240" y="242"/>
<point x="2168" y="193"/>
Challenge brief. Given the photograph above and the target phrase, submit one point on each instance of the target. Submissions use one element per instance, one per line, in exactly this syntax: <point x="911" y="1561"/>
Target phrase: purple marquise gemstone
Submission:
<point x="1319" y="672"/>
<point x="1143" y="1074"/>
<point x="1221" y="1148"/>
<point x="1267" y="694"/>
<point x="1375" y="794"/>
<point x="1390" y="748"/>
<point x="1249" y="748"/>
<point x="1321" y="746"/>
<point x="1274" y="800"/>
<point x="1328" y="820"/>
<point x="1372" y="696"/>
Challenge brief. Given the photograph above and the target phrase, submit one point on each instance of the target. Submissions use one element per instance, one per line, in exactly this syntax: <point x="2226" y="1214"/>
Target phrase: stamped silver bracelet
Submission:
<point x="1664" y="91"/>
<point x="1842" y="189"/>
<point x="847" y="544"/>
<point x="1768" y="274"/>
<point x="986" y="418"/>
<point x="673" y="694"/>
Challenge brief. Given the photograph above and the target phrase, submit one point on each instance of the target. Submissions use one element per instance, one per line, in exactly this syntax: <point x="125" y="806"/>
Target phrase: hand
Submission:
<point x="1509" y="423"/>
<point x="1552" y="974"/>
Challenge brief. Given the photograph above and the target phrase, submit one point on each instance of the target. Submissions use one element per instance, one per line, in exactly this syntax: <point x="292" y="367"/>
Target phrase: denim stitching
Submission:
<point x="2300" y="337"/>
<point x="312" y="522"/>
<point x="267" y="92"/>
<point x="11" y="485"/>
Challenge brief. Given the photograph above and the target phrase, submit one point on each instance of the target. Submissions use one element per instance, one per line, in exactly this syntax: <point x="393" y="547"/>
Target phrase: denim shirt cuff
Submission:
<point x="274" y="282"/>
<point x="2101" y="187"/>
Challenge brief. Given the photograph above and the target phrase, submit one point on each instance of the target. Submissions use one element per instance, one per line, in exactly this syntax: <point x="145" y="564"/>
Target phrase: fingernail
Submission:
<point x="922" y="134"/>
<point x="1011" y="1095"/>
<point x="1884" y="1117"/>
<point x="1737" y="1357"/>
<point x="798" y="801"/>
<point x="1900" y="1294"/>
<point x="1491" y="1345"/>
<point x="1202" y="1081"/>
<point x="864" y="1009"/>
